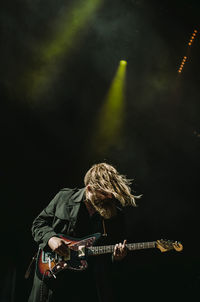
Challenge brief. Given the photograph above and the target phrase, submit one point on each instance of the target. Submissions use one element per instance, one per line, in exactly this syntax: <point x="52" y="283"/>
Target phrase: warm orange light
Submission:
<point x="195" y="31"/>
<point x="189" y="43"/>
<point x="185" y="57"/>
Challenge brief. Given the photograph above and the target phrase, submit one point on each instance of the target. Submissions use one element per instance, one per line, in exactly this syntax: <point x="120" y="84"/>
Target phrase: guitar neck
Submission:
<point x="106" y="249"/>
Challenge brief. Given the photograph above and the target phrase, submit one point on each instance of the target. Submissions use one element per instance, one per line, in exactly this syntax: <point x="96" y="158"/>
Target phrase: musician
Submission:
<point x="98" y="207"/>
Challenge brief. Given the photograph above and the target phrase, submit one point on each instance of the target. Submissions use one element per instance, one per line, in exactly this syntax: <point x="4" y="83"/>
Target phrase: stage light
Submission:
<point x="123" y="62"/>
<point x="193" y="36"/>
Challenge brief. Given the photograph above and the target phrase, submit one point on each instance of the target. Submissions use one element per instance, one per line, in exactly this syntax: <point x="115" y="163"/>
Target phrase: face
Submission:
<point x="103" y="202"/>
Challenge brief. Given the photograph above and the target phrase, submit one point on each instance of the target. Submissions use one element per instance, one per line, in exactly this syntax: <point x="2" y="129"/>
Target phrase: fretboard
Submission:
<point x="105" y="249"/>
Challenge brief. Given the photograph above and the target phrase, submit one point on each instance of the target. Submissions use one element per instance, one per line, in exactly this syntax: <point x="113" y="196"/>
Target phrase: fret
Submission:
<point x="141" y="245"/>
<point x="104" y="249"/>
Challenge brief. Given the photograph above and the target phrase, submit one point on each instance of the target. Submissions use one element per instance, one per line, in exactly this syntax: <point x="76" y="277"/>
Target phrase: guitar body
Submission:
<point x="48" y="264"/>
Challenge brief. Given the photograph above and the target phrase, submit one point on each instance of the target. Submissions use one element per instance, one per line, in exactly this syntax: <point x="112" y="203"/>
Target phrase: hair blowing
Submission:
<point x="106" y="178"/>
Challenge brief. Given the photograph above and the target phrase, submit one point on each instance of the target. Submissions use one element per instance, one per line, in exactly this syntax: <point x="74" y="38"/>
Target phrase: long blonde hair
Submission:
<point x="106" y="178"/>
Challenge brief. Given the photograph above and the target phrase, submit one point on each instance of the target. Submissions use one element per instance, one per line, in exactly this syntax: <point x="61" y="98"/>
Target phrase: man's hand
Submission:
<point x="120" y="251"/>
<point x="59" y="246"/>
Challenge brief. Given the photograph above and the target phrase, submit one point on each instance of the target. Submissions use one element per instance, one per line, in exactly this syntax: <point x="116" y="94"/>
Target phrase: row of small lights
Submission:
<point x="189" y="44"/>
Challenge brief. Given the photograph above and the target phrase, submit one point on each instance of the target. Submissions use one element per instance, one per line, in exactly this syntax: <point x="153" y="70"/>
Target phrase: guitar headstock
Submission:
<point x="167" y="245"/>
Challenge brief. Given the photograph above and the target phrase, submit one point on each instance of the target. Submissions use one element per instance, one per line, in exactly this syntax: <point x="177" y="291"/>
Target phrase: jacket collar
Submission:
<point x="78" y="194"/>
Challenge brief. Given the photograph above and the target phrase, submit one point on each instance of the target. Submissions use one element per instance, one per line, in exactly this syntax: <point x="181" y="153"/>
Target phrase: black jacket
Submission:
<point x="66" y="214"/>
<point x="59" y="216"/>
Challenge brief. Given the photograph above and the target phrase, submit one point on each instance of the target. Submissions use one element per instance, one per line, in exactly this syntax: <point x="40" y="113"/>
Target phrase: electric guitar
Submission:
<point x="49" y="264"/>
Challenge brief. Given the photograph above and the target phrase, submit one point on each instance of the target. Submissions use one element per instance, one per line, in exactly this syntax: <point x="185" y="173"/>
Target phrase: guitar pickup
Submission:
<point x="81" y="251"/>
<point x="67" y="255"/>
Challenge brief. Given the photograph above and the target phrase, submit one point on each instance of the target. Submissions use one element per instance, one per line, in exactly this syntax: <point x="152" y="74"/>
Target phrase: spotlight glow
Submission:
<point x="123" y="62"/>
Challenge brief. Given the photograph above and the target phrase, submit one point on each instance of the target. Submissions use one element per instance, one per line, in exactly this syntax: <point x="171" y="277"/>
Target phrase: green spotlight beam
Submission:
<point x="65" y="35"/>
<point x="111" y="116"/>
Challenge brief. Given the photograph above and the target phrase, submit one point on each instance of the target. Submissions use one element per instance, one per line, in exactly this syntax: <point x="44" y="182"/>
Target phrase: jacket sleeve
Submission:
<point x="42" y="229"/>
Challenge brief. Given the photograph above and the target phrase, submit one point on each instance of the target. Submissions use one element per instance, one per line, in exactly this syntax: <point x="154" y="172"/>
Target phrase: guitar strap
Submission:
<point x="28" y="271"/>
<point x="104" y="228"/>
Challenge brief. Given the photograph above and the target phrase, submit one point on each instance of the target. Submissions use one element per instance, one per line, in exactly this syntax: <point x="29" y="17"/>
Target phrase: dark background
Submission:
<point x="45" y="139"/>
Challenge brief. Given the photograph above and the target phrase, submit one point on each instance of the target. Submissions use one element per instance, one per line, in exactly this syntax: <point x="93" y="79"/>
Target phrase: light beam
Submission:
<point x="52" y="53"/>
<point x="111" y="116"/>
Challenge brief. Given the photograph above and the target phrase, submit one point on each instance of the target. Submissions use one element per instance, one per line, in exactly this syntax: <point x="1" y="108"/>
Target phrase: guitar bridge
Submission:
<point x="50" y="268"/>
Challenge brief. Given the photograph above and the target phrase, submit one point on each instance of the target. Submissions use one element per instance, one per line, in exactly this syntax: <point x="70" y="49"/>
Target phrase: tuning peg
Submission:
<point x="178" y="246"/>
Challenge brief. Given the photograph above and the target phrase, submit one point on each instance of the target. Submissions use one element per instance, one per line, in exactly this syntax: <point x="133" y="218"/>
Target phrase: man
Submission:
<point x="98" y="207"/>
